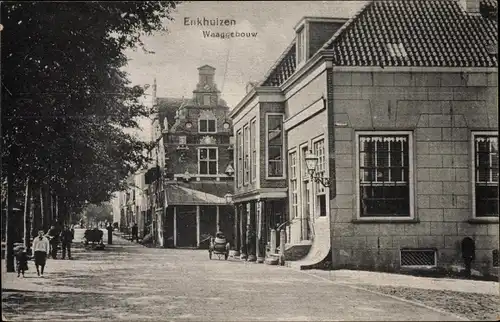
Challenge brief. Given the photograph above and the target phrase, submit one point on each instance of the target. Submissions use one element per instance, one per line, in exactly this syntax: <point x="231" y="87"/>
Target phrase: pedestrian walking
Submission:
<point x="53" y="236"/>
<point x="41" y="251"/>
<point x="21" y="261"/>
<point x="110" y="234"/>
<point x="135" y="232"/>
<point x="66" y="240"/>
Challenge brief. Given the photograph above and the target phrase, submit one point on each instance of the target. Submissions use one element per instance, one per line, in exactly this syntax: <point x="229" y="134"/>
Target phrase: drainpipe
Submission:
<point x="331" y="148"/>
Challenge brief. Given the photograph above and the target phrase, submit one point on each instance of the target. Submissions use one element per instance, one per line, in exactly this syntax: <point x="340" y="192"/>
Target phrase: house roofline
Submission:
<point x="319" y="19"/>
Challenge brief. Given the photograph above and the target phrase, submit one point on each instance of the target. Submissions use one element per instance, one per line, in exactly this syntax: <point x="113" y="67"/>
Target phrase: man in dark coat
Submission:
<point x="468" y="254"/>
<point x="66" y="240"/>
<point x="110" y="234"/>
<point x="135" y="232"/>
<point x="53" y="235"/>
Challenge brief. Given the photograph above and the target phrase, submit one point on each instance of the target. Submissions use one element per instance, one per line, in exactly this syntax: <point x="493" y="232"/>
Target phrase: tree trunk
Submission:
<point x="32" y="212"/>
<point x="27" y="221"/>
<point x="10" y="227"/>
<point x="56" y="218"/>
<point x="36" y="215"/>
<point x="42" y="209"/>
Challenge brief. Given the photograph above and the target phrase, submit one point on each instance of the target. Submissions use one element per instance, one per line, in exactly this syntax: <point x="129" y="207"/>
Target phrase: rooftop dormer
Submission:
<point x="312" y="33"/>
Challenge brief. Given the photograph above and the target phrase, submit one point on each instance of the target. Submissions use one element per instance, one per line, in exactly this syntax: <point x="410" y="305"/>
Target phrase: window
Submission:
<point x="207" y="161"/>
<point x="206" y="100"/>
<point x="306" y="196"/>
<point x="384" y="174"/>
<point x="239" y="154"/>
<point x="275" y="145"/>
<point x="292" y="174"/>
<point x="253" y="149"/>
<point x="319" y="151"/>
<point x="301" y="45"/>
<point x="246" y="157"/>
<point x="207" y="126"/>
<point x="485" y="174"/>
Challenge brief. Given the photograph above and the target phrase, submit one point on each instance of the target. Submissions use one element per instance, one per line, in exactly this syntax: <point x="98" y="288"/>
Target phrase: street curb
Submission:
<point x="458" y="317"/>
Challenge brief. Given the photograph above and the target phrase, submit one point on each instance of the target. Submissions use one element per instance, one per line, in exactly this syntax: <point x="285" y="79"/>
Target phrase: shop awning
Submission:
<point x="178" y="195"/>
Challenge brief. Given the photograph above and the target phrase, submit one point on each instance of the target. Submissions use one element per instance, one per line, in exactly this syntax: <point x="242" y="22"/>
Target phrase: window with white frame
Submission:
<point x="207" y="126"/>
<point x="319" y="151"/>
<point x="253" y="150"/>
<point x="207" y="160"/>
<point x="301" y="45"/>
<point x="485" y="174"/>
<point x="305" y="190"/>
<point x="275" y="145"/>
<point x="384" y="174"/>
<point x="246" y="157"/>
<point x="239" y="154"/>
<point x="292" y="174"/>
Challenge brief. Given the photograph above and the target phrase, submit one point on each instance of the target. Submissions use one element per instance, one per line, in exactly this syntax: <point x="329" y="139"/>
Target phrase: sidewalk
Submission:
<point x="362" y="278"/>
<point x="84" y="262"/>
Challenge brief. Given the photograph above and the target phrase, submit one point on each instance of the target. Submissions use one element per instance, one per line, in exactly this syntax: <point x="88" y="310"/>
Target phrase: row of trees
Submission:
<point x="66" y="102"/>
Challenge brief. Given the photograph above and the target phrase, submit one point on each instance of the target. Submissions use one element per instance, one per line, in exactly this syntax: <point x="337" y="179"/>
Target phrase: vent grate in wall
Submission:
<point x="495" y="257"/>
<point x="418" y="257"/>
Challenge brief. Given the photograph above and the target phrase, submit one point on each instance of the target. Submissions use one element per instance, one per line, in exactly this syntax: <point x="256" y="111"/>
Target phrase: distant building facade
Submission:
<point x="194" y="170"/>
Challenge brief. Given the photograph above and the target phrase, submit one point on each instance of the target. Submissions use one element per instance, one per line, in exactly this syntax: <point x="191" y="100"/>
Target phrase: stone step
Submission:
<point x="271" y="260"/>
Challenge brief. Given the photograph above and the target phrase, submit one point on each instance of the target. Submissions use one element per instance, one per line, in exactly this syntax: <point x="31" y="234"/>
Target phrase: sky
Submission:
<point x="180" y="51"/>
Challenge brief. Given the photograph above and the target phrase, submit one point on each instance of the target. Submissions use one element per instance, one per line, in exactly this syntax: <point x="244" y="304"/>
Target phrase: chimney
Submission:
<point x="470" y="6"/>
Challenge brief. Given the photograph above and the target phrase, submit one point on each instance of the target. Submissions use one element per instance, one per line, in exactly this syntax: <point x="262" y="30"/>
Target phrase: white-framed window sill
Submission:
<point x="275" y="178"/>
<point x="388" y="220"/>
<point x="484" y="220"/>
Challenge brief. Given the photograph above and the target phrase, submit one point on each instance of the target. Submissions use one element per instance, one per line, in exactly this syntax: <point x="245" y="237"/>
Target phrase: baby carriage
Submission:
<point x="219" y="246"/>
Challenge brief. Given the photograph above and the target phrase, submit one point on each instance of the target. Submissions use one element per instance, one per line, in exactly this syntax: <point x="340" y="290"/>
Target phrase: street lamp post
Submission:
<point x="311" y="162"/>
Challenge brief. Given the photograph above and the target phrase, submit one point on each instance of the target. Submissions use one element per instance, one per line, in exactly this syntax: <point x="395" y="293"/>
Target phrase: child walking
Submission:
<point x="22" y="261"/>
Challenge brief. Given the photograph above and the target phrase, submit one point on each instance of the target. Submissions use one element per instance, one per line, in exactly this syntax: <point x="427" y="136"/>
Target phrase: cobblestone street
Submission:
<point x="131" y="282"/>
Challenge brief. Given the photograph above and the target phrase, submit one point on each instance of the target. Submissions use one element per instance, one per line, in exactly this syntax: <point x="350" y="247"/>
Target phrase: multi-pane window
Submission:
<point x="301" y="45"/>
<point x="306" y="196"/>
<point x="207" y="160"/>
<point x="239" y="154"/>
<point x="384" y="175"/>
<point x="486" y="175"/>
<point x="207" y="126"/>
<point x="292" y="173"/>
<point x="246" y="157"/>
<point x="275" y="146"/>
<point x="319" y="151"/>
<point x="253" y="150"/>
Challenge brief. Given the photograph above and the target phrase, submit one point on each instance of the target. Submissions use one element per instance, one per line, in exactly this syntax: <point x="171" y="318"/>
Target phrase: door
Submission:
<point x="186" y="226"/>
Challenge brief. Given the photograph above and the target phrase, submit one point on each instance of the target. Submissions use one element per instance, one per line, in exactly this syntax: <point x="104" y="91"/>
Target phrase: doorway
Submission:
<point x="186" y="226"/>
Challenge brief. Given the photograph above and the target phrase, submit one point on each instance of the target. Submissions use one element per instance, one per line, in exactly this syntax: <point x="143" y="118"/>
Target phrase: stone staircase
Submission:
<point x="320" y="248"/>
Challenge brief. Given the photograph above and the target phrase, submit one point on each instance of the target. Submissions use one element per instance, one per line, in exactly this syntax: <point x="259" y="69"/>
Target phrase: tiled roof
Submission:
<point x="283" y="69"/>
<point x="432" y="33"/>
<point x="417" y="33"/>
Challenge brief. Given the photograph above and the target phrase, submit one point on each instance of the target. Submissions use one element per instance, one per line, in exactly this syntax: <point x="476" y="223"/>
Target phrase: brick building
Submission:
<point x="194" y="173"/>
<point x="398" y="104"/>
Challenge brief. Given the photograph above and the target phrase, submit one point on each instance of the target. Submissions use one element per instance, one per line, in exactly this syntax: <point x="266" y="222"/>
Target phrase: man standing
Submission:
<point x="66" y="240"/>
<point x="110" y="234"/>
<point x="41" y="251"/>
<point x="135" y="232"/>
<point x="53" y="234"/>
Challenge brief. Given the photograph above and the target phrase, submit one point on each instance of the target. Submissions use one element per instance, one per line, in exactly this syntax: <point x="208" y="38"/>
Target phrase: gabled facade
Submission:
<point x="399" y="105"/>
<point x="194" y="153"/>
